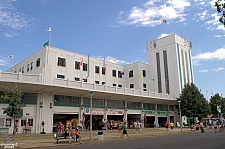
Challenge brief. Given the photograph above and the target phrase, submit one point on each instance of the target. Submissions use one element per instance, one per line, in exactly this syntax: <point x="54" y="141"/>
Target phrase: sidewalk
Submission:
<point x="47" y="140"/>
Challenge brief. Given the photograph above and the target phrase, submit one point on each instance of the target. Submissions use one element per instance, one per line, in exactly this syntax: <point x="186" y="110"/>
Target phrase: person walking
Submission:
<point x="135" y="126"/>
<point x="167" y="125"/>
<point x="125" y="130"/>
<point x="171" y="125"/>
<point x="215" y="126"/>
<point x="27" y="128"/>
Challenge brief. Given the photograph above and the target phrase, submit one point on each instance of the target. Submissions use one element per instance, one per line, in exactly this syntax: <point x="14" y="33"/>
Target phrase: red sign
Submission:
<point x="114" y="112"/>
<point x="94" y="111"/>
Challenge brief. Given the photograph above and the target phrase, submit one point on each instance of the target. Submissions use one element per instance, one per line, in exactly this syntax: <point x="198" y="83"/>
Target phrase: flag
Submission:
<point x="207" y="91"/>
<point x="11" y="56"/>
<point x="81" y="63"/>
<point x="49" y="29"/>
<point x="104" y="69"/>
<point x="164" y="21"/>
<point x="46" y="44"/>
<point x="122" y="73"/>
<point x="153" y="79"/>
<point x="138" y="76"/>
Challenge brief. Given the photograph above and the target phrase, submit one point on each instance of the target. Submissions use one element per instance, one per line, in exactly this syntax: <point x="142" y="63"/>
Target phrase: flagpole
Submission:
<point x="50" y="38"/>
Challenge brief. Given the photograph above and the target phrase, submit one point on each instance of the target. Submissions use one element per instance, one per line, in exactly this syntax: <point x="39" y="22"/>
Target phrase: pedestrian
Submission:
<point x="135" y="126"/>
<point x="215" y="125"/>
<point x="167" y="125"/>
<point x="76" y="135"/>
<point x="111" y="124"/>
<point x="202" y="127"/>
<point x="27" y="128"/>
<point x="120" y="128"/>
<point x="171" y="125"/>
<point x="125" y="130"/>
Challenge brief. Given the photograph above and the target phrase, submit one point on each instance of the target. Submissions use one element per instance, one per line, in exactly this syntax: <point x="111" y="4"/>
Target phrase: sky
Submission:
<point x="116" y="30"/>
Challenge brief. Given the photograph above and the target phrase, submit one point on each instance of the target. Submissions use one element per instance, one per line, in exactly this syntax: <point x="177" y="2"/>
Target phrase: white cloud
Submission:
<point x="4" y="61"/>
<point x="217" y="36"/>
<point x="203" y="71"/>
<point x="218" y="54"/>
<point x="152" y="13"/>
<point x="112" y="25"/>
<point x="113" y="60"/>
<point x="163" y="35"/>
<point x="218" y="69"/>
<point x="220" y="27"/>
<point x="11" y="18"/>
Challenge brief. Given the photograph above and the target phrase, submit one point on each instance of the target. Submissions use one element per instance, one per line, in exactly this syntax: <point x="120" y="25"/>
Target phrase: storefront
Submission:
<point x="97" y="117"/>
<point x="149" y="117"/>
<point x="162" y="118"/>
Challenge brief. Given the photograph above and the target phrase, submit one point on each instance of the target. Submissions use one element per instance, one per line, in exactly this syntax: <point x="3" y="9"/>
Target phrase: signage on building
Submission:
<point x="165" y="112"/>
<point x="95" y="111"/>
<point x="114" y="112"/>
<point x="149" y="112"/>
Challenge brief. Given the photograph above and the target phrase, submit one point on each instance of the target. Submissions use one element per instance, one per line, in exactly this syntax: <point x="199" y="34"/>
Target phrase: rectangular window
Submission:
<point x="134" y="105"/>
<point x="23" y="122"/>
<point x="8" y="122"/>
<point x="144" y="89"/>
<point x="158" y="73"/>
<point x="29" y="98"/>
<point x="144" y="73"/>
<point x="131" y="85"/>
<point x="96" y="69"/>
<point x="28" y="67"/>
<point x="61" y="100"/>
<point x="38" y="62"/>
<point x="30" y="122"/>
<point x="84" y="67"/>
<point x="115" y="104"/>
<point x="131" y="73"/>
<point x="120" y="74"/>
<point x="114" y="84"/>
<point x="103" y="70"/>
<point x="31" y="65"/>
<point x="60" y="76"/>
<point x="2" y="120"/>
<point x="96" y="82"/>
<point x="77" y="65"/>
<point x="148" y="106"/>
<point x="77" y="79"/>
<point x="61" y="62"/>
<point x="166" y="72"/>
<point x="119" y="85"/>
<point x="114" y="73"/>
<point x="85" y="80"/>
<point x="144" y="85"/>
<point x="103" y="83"/>
<point x="22" y="69"/>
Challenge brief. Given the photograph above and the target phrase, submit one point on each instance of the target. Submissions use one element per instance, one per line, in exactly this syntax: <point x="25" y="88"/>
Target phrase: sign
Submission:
<point x="162" y="112"/>
<point x="95" y="111"/>
<point x="219" y="109"/>
<point x="149" y="112"/>
<point x="114" y="112"/>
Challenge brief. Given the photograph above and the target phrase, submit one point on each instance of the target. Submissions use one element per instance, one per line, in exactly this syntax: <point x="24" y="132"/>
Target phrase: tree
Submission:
<point x="13" y="97"/>
<point x="215" y="101"/>
<point x="220" y="6"/>
<point x="193" y="104"/>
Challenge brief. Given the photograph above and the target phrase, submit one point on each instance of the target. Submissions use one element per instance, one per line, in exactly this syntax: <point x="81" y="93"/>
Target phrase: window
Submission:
<point x="103" y="70"/>
<point x="134" y="105"/>
<point x="23" y="122"/>
<point x="77" y="65"/>
<point x="77" y="79"/>
<point x="115" y="104"/>
<point x="38" y="62"/>
<point x="96" y="69"/>
<point x="22" y="69"/>
<point x="144" y="89"/>
<point x="103" y="83"/>
<point x="31" y="65"/>
<point x="114" y="84"/>
<point x="120" y="74"/>
<point x="61" y="62"/>
<point x="28" y="67"/>
<point x="97" y="82"/>
<point x="8" y="122"/>
<point x="114" y="73"/>
<point x="131" y="74"/>
<point x="29" y="98"/>
<point x="131" y="85"/>
<point x="144" y="85"/>
<point x="2" y="121"/>
<point x="85" y="80"/>
<point x="60" y="76"/>
<point x="84" y="67"/>
<point x="119" y="85"/>
<point x="30" y="122"/>
<point x="61" y="100"/>
<point x="144" y="73"/>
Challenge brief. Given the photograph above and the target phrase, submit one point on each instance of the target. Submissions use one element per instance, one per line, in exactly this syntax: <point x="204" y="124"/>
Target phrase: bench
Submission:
<point x="4" y="130"/>
<point x="60" y="136"/>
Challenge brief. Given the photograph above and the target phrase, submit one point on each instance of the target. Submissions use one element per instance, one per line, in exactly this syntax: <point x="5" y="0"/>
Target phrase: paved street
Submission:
<point x="207" y="140"/>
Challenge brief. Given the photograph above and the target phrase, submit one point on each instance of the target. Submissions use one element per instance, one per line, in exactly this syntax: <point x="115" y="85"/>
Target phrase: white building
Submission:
<point x="56" y="85"/>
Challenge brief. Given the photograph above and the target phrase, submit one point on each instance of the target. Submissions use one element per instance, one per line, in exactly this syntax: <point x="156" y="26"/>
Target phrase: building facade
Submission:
<point x="57" y="84"/>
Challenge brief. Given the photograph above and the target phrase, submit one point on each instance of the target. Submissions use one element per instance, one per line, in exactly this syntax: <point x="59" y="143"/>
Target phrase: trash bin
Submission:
<point x="100" y="135"/>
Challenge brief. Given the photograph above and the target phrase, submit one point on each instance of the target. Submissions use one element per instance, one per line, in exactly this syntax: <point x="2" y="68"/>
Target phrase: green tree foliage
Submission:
<point x="214" y="101"/>
<point x="220" y="6"/>
<point x="13" y="97"/>
<point x="193" y="103"/>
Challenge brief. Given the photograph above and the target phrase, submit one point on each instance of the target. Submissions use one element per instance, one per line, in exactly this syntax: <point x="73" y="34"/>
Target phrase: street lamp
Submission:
<point x="180" y="117"/>
<point x="91" y="92"/>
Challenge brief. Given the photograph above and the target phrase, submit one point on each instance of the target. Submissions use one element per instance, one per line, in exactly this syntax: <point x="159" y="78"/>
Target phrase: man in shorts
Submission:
<point x="215" y="125"/>
<point x="124" y="130"/>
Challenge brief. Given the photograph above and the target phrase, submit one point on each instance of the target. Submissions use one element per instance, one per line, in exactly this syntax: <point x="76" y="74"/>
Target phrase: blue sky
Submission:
<point x="117" y="30"/>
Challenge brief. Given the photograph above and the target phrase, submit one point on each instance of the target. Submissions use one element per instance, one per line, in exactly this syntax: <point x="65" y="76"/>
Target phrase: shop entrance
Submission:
<point x="162" y="121"/>
<point x="62" y="120"/>
<point x="96" y="122"/>
<point x="131" y="118"/>
<point x="115" y="119"/>
<point x="150" y="121"/>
